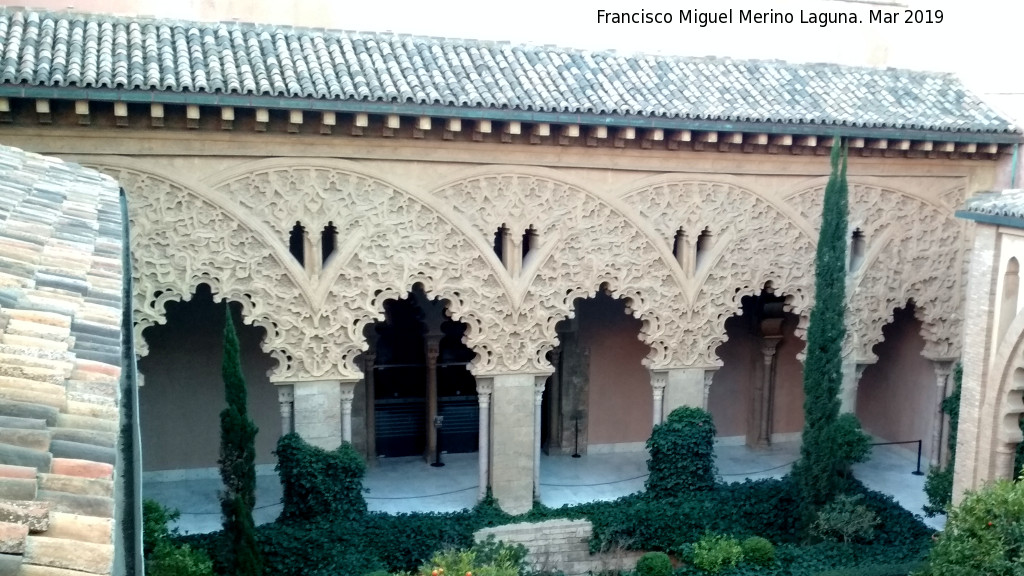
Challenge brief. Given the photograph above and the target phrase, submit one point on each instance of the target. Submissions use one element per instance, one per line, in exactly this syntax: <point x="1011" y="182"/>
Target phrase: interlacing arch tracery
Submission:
<point x="914" y="252"/>
<point x="756" y="243"/>
<point x="585" y="243"/>
<point x="180" y="240"/>
<point x="392" y="240"/>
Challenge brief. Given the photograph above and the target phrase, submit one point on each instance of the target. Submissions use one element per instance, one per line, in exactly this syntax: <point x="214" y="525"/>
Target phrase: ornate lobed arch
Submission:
<point x="1002" y="407"/>
<point x="756" y="243"/>
<point x="912" y="245"/>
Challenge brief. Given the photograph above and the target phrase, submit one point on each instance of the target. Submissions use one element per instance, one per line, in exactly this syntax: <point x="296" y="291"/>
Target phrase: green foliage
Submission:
<point x="1018" y="463"/>
<point x="822" y="470"/>
<point x="490" y="558"/>
<point x="163" y="557"/>
<point x="654" y="564"/>
<point x="900" y="569"/>
<point x="938" y="486"/>
<point x="983" y="535"/>
<point x="758" y="551"/>
<point x="845" y="520"/>
<point x="319" y="483"/>
<point x="237" y="461"/>
<point x="682" y="450"/>
<point x="713" y="552"/>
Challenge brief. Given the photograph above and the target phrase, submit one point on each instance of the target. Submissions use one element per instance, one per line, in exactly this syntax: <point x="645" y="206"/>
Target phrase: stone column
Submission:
<point x="484" y="387"/>
<point x="709" y="377"/>
<point x="555" y="405"/>
<point x="683" y="387"/>
<point x="317" y="410"/>
<point x="285" y="399"/>
<point x="513" y="442"/>
<point x="369" y="362"/>
<point x="433" y="348"/>
<point x="659" y="380"/>
<point x="347" y="394"/>
<point x="538" y="398"/>
<point x="940" y="420"/>
<point x="852" y="371"/>
<point x="763" y="391"/>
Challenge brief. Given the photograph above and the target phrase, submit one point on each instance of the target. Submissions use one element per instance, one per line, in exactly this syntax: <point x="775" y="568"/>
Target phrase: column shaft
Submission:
<point x="369" y="360"/>
<point x="484" y="387"/>
<point x="538" y="399"/>
<point x="433" y="342"/>
<point x="658" y="382"/>
<point x="285" y="399"/>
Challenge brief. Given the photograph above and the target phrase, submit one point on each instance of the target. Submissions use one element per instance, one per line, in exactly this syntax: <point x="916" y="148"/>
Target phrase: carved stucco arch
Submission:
<point x="915" y="252"/>
<point x="1004" y="406"/>
<point x="757" y="242"/>
<point x="181" y="239"/>
<point x="586" y="242"/>
<point x="391" y="239"/>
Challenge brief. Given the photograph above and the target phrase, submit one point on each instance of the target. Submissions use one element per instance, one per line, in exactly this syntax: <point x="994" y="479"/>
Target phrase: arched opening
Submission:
<point x="419" y="371"/>
<point x="857" y="248"/>
<point x="897" y="396"/>
<point x="183" y="392"/>
<point x="328" y="241"/>
<point x="756" y="397"/>
<point x="599" y="399"/>
<point x="297" y="243"/>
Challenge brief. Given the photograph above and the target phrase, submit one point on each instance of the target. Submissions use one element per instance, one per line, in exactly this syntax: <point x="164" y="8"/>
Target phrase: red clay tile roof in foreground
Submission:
<point x="60" y="365"/>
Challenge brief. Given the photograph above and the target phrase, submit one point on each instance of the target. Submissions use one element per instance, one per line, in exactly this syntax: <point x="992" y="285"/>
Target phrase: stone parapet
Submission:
<point x="561" y="545"/>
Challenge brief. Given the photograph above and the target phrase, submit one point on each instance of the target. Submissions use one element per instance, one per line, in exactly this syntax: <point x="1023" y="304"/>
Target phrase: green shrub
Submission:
<point x="317" y="483"/>
<point x="162" y="556"/>
<point x="845" y="520"/>
<point x="983" y="535"/>
<point x="758" y="551"/>
<point x="901" y="569"/>
<point x="713" y="552"/>
<point x="682" y="453"/>
<point x="654" y="564"/>
<point x="488" y="558"/>
<point x="938" y="487"/>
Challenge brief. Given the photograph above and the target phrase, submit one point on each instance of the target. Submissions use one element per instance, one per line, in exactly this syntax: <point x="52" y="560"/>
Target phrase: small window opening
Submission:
<point x="328" y="241"/>
<point x="297" y="243"/>
<point x="679" y="243"/>
<point x="499" y="242"/>
<point x="530" y="240"/>
<point x="704" y="243"/>
<point x="856" y="249"/>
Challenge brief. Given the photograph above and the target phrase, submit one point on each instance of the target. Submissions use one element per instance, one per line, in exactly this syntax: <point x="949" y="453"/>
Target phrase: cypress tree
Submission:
<point x="237" y="462"/>
<point x="820" y="472"/>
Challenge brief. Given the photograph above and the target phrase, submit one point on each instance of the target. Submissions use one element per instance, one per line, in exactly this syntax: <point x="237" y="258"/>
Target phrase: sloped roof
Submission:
<point x="1003" y="208"/>
<point x="162" y="58"/>
<point x="60" y="363"/>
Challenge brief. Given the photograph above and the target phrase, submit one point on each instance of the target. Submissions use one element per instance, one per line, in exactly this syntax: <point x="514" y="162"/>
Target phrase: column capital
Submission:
<point x="659" y="379"/>
<point x="484" y="387"/>
<point x="769" y="345"/>
<point x="539" y="382"/>
<point x="285" y="393"/>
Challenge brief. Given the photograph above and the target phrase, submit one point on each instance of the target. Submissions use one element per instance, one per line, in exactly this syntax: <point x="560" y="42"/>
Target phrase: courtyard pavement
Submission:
<point x="410" y="485"/>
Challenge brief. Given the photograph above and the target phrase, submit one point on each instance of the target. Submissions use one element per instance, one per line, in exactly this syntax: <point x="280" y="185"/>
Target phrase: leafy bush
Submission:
<point x="938" y="487"/>
<point x="983" y="535"/>
<point x="162" y="556"/>
<point x="682" y="453"/>
<point x="845" y="520"/>
<point x="758" y="551"/>
<point x="489" y="558"/>
<point x="654" y="564"/>
<point x="318" y="483"/>
<point x="713" y="552"/>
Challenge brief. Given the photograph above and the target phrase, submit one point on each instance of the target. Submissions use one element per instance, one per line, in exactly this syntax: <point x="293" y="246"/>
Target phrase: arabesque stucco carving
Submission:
<point x="232" y="232"/>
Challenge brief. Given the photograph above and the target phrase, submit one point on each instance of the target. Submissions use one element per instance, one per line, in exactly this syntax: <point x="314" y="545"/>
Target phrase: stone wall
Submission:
<point x="561" y="546"/>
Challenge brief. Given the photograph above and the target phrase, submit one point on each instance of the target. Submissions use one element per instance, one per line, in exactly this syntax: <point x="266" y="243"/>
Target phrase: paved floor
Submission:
<point x="410" y="485"/>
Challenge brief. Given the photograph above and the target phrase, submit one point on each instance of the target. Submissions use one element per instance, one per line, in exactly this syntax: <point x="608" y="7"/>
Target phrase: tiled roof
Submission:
<point x="1004" y="207"/>
<point x="159" y="56"/>
<point x="60" y="363"/>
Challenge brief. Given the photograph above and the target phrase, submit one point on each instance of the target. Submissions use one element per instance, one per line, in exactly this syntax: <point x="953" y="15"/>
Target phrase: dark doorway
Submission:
<point x="401" y="382"/>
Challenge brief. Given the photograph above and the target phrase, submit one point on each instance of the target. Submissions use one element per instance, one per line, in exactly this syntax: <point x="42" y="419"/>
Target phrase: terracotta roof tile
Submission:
<point x="95" y="51"/>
